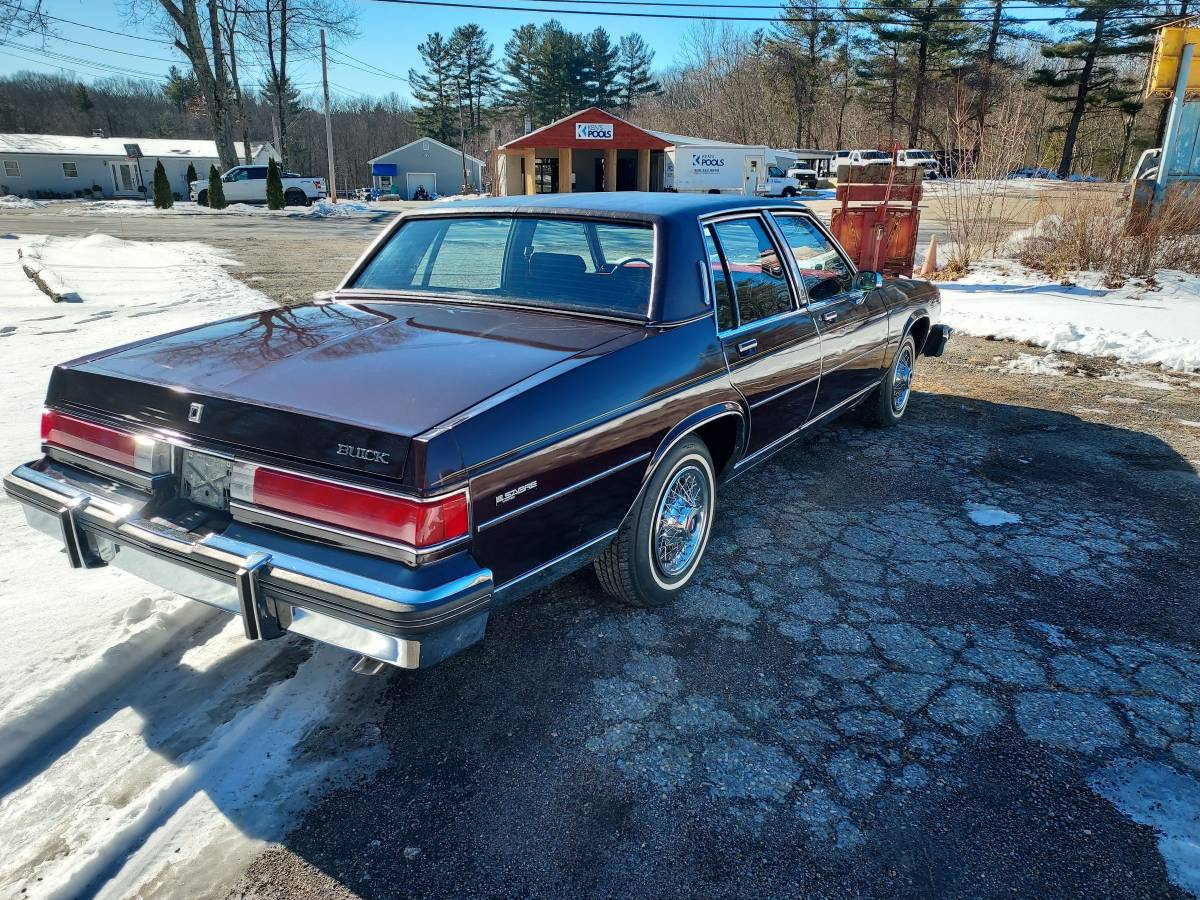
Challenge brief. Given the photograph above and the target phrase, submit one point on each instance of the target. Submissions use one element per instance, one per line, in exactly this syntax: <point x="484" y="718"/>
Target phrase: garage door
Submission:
<point x="418" y="179"/>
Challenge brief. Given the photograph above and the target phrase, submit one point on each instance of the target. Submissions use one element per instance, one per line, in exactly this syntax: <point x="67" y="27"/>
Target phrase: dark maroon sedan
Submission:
<point x="499" y="392"/>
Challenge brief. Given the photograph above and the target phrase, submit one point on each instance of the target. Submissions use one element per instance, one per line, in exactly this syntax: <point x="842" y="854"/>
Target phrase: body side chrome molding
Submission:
<point x="541" y="501"/>
<point x="787" y="390"/>
<point x="778" y="443"/>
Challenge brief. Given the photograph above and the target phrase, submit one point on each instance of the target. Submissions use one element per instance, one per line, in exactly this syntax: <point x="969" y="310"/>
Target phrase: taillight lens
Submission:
<point x="102" y="442"/>
<point x="419" y="523"/>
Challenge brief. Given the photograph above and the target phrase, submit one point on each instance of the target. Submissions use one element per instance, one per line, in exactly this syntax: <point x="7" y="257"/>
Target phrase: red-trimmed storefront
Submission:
<point x="589" y="150"/>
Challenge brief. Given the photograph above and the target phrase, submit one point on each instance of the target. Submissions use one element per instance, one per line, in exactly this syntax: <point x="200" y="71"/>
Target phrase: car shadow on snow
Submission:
<point x="862" y="668"/>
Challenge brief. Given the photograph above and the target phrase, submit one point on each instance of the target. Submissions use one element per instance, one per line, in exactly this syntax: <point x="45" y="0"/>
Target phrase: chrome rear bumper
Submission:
<point x="407" y="617"/>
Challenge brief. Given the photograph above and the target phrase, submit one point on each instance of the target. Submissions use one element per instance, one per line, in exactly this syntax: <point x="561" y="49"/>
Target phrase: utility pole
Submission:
<point x="328" y="123"/>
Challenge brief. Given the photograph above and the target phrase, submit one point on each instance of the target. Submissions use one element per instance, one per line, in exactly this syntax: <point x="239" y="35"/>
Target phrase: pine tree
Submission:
<point x="474" y="70"/>
<point x="558" y="72"/>
<point x="600" y="72"/>
<point x="634" y="78"/>
<point x="519" y="88"/>
<point x="274" y="186"/>
<point x="163" y="199"/>
<point x="216" y="191"/>
<point x="1104" y="30"/>
<point x="191" y="175"/>
<point x="802" y="43"/>
<point x="929" y="34"/>
<point x="434" y="90"/>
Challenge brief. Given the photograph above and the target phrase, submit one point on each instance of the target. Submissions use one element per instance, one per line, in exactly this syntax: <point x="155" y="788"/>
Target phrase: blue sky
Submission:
<point x="389" y="34"/>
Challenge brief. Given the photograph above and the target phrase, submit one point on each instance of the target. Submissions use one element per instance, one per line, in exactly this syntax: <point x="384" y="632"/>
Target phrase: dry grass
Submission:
<point x="1092" y="234"/>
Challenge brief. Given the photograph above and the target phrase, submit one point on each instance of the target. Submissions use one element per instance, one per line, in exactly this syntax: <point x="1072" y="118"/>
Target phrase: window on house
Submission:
<point x="70" y="170"/>
<point x="11" y="169"/>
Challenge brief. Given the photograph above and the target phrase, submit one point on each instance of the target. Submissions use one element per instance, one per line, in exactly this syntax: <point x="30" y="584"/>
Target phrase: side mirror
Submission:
<point x="869" y="281"/>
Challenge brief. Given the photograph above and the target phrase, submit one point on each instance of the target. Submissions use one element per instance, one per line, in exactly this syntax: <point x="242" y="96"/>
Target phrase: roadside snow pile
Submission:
<point x="10" y="201"/>
<point x="450" y="198"/>
<point x="106" y="271"/>
<point x="324" y="209"/>
<point x="145" y="748"/>
<point x="1134" y="323"/>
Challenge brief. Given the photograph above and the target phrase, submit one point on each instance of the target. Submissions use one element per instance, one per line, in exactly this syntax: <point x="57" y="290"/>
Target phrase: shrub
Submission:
<point x="274" y="186"/>
<point x="163" y="198"/>
<point x="1093" y="233"/>
<point x="216" y="193"/>
<point x="191" y="175"/>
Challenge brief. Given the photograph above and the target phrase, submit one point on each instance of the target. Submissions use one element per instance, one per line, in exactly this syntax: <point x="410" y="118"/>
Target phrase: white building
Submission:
<point x="58" y="165"/>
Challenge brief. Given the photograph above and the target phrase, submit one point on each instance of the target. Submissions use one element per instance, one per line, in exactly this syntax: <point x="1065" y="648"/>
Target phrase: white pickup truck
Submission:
<point x="248" y="184"/>
<point x="923" y="159"/>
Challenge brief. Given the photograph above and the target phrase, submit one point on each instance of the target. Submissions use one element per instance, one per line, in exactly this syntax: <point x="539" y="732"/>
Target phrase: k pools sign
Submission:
<point x="593" y="131"/>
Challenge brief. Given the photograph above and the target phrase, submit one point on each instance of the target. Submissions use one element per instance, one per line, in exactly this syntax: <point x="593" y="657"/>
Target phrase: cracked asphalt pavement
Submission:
<point x="929" y="660"/>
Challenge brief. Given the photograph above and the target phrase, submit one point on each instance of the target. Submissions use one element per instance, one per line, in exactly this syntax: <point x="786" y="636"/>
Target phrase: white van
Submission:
<point x="715" y="169"/>
<point x="912" y="159"/>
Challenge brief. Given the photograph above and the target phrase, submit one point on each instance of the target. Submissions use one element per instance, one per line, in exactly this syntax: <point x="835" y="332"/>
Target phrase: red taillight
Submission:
<point x="110" y="444"/>
<point x="419" y="523"/>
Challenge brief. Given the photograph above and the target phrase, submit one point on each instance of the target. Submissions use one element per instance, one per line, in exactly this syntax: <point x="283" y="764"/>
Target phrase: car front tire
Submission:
<point x="789" y="192"/>
<point x="887" y="404"/>
<point x="202" y="198"/>
<point x="660" y="544"/>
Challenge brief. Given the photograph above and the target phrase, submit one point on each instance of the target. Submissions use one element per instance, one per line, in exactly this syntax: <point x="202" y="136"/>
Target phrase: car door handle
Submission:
<point x="829" y="317"/>
<point x="747" y="346"/>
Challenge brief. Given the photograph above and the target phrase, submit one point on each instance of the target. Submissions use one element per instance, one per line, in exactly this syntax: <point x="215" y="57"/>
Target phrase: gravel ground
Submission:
<point x="866" y="692"/>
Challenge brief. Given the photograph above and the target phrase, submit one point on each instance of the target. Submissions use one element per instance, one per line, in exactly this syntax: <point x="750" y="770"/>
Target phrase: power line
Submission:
<point x="371" y="68"/>
<point x="558" y="11"/>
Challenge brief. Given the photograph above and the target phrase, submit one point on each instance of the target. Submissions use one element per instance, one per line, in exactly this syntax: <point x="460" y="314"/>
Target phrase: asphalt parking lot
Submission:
<point x="866" y="694"/>
<point x="924" y="661"/>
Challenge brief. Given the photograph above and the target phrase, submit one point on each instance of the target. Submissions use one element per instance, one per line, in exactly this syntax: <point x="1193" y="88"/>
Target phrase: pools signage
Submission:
<point x="707" y="163"/>
<point x="593" y="131"/>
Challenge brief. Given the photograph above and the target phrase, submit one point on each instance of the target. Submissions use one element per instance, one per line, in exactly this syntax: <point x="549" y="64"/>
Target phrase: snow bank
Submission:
<point x="324" y="209"/>
<point x="1133" y="323"/>
<point x="145" y="748"/>
<point x="321" y="209"/>
<point x="10" y="201"/>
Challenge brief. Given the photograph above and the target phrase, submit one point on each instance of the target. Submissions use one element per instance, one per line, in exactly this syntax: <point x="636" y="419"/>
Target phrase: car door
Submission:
<point x="770" y="341"/>
<point x="853" y="321"/>
<point x="234" y="185"/>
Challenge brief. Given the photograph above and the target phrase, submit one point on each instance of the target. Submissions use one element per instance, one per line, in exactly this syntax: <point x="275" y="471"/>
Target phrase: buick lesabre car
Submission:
<point x="500" y="392"/>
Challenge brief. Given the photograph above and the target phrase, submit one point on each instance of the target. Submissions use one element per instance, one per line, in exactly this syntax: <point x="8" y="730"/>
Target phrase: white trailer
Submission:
<point x="715" y="168"/>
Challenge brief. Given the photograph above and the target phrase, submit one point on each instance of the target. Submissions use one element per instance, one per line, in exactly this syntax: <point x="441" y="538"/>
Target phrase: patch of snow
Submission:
<point x="1124" y="401"/>
<point x="324" y="209"/>
<point x="1055" y="636"/>
<point x="1032" y="364"/>
<point x="11" y="201"/>
<point x="450" y="198"/>
<point x="1001" y="299"/>
<point x="145" y="748"/>
<point x="1188" y="422"/>
<point x="990" y="516"/>
<point x="1156" y="795"/>
<point x="320" y="209"/>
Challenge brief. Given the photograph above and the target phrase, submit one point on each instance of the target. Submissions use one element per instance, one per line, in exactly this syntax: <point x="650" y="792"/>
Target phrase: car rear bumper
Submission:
<point x="404" y="616"/>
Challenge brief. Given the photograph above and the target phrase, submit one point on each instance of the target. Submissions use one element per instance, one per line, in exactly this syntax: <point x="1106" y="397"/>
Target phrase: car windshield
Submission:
<point x="576" y="264"/>
<point x="917" y="154"/>
<point x="874" y="154"/>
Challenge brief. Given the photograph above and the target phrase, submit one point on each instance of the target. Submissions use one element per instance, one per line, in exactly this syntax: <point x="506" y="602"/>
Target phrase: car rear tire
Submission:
<point x="789" y="192"/>
<point x="202" y="198"/>
<point x="295" y="198"/>
<point x="887" y="404"/>
<point x="660" y="544"/>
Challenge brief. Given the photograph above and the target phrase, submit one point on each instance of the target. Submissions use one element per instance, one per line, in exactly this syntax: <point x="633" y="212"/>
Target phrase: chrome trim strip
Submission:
<point x="775" y="444"/>
<point x="105" y="469"/>
<point x="785" y="391"/>
<point x="250" y="514"/>
<point x="853" y="359"/>
<point x="549" y="571"/>
<point x="541" y="501"/>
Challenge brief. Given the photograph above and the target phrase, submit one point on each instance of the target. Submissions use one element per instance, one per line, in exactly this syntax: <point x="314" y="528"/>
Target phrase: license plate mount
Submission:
<point x="204" y="479"/>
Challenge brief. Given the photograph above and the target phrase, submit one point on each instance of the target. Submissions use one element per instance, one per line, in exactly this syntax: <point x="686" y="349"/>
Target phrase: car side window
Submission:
<point x="258" y="173"/>
<point x="719" y="279"/>
<point x="822" y="269"/>
<point x="760" y="287"/>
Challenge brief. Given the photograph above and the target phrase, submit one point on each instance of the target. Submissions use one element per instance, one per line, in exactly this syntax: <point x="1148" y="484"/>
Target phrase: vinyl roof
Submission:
<point x="614" y="204"/>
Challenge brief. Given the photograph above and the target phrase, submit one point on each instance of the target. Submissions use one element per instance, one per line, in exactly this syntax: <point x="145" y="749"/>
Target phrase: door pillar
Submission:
<point x="643" y="170"/>
<point x="530" y="171"/>
<point x="610" y="169"/>
<point x="564" y="171"/>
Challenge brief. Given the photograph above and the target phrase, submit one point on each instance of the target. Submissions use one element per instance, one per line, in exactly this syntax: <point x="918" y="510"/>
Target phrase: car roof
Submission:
<point x="637" y="205"/>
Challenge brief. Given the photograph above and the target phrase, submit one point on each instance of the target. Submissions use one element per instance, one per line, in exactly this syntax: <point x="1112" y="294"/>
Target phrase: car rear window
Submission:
<point x="576" y="264"/>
